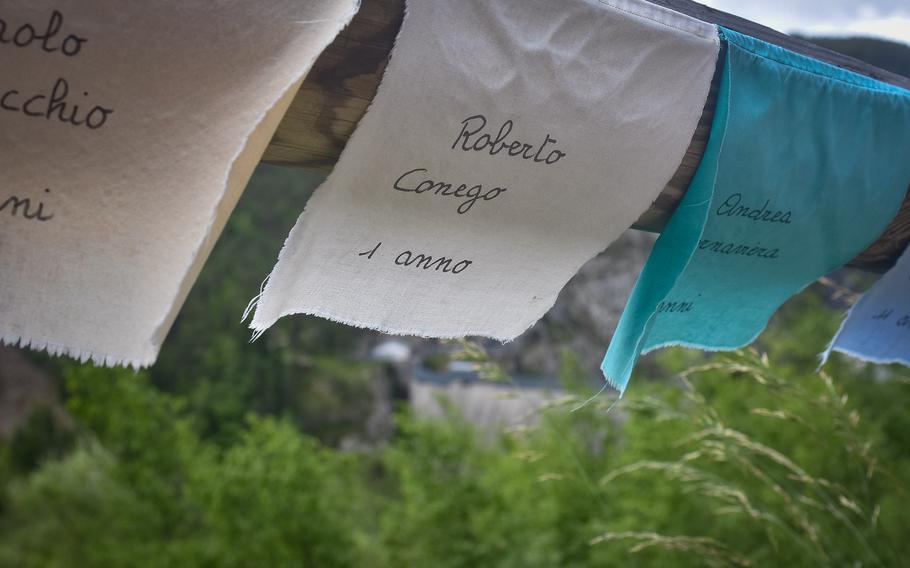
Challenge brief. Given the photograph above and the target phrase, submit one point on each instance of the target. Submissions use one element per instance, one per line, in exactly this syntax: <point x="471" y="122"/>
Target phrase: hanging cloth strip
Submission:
<point x="128" y="131"/>
<point x="805" y="166"/>
<point x="877" y="328"/>
<point x="509" y="142"/>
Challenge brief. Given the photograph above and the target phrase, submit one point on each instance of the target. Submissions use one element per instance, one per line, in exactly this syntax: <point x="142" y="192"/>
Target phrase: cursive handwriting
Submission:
<point x="674" y="307"/>
<point x="51" y="39"/>
<point x="406" y="182"/>
<point x="15" y="204"/>
<point x="471" y="139"/>
<point x="426" y="262"/>
<point x="883" y="315"/>
<point x="722" y="247"/>
<point x="731" y="208"/>
<point x="55" y="105"/>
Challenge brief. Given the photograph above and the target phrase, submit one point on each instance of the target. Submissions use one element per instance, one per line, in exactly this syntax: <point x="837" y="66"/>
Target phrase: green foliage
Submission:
<point x="75" y="512"/>
<point x="225" y="453"/>
<point x="303" y="369"/>
<point x="784" y="469"/>
<point x="288" y="501"/>
<point x="41" y="437"/>
<point x="142" y="489"/>
<point x="740" y="460"/>
<point x="459" y="502"/>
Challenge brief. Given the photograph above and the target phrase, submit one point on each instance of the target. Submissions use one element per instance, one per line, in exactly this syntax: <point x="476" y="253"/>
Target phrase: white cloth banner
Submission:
<point x="510" y="141"/>
<point x="128" y="131"/>
<point x="877" y="329"/>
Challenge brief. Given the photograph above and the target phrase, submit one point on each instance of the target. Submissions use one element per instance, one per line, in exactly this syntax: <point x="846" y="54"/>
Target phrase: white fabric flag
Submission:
<point x="128" y="131"/>
<point x="877" y="329"/>
<point x="510" y="141"/>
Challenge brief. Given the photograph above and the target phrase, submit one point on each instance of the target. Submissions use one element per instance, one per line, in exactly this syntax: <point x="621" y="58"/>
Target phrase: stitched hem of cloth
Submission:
<point x="664" y="17"/>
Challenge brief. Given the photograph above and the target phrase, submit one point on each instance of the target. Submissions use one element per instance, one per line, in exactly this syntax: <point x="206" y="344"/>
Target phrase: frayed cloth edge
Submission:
<point x="80" y="354"/>
<point x="164" y="325"/>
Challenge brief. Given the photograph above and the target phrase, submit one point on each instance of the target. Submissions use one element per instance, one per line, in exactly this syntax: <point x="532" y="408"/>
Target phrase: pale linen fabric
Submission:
<point x="619" y="85"/>
<point x="197" y="89"/>
<point x="877" y="328"/>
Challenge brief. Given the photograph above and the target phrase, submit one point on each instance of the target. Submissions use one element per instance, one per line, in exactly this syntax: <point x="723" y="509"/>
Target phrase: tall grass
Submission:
<point x="768" y="490"/>
<point x="779" y="466"/>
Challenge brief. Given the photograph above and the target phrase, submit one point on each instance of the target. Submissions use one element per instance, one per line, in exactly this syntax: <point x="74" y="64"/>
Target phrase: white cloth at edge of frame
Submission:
<point x="129" y="130"/>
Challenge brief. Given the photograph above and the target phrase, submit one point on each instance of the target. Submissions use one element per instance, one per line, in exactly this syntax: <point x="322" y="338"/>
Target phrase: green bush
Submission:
<point x="225" y="453"/>
<point x="737" y="461"/>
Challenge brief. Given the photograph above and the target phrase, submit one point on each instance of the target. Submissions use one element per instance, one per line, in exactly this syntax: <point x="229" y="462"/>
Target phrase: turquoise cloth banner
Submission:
<point x="805" y="166"/>
<point x="877" y="329"/>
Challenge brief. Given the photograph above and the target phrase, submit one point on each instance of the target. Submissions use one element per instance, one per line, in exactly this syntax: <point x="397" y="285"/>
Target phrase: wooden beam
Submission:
<point x="344" y="80"/>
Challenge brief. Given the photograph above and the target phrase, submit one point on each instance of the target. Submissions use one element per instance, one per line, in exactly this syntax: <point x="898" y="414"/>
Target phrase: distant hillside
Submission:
<point x="889" y="55"/>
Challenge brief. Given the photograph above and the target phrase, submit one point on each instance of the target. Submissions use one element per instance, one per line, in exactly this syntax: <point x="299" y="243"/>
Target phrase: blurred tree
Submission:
<point x="304" y="368"/>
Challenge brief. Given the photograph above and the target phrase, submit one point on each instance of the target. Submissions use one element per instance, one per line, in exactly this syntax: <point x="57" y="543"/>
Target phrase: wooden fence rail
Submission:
<point x="338" y="90"/>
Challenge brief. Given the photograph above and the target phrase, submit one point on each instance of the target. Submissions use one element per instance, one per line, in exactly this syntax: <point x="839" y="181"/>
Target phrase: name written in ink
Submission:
<point x="733" y="207"/>
<point x="474" y="138"/>
<point x="25" y="208"/>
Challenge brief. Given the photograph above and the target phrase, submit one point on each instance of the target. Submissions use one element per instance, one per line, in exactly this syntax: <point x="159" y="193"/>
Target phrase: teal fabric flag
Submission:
<point x="805" y="166"/>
